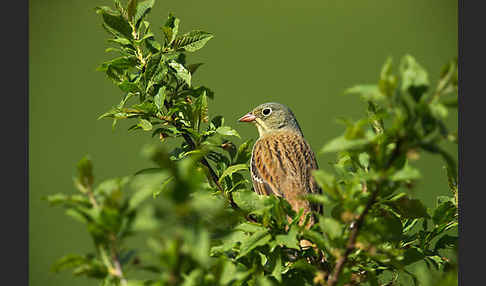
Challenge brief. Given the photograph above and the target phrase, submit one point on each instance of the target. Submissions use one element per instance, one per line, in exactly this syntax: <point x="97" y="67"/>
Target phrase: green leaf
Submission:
<point x="131" y="8"/>
<point x="368" y="92"/>
<point x="170" y="29"/>
<point x="249" y="227"/>
<point x="410" y="208"/>
<point x="120" y="63"/>
<point x="139" y="196"/>
<point x="153" y="45"/>
<point x="216" y="122"/>
<point x="144" y="108"/>
<point x="201" y="108"/>
<point x="57" y="199"/>
<point x="153" y="64"/>
<point x="277" y="270"/>
<point x="331" y="226"/>
<point x="438" y="110"/>
<point x="145" y="124"/>
<point x="159" y="98"/>
<point x="146" y="183"/>
<point x="192" y="41"/>
<point x="121" y="41"/>
<point x="257" y="239"/>
<point x="412" y="255"/>
<point x="233" y="272"/>
<point x="247" y="200"/>
<point x="244" y="152"/>
<point x="326" y="181"/>
<point x="194" y="278"/>
<point x="262" y="280"/>
<point x="132" y="282"/>
<point x="227" y="131"/>
<point x="92" y="268"/>
<point x="146" y="219"/>
<point x="388" y="81"/>
<point x="318" y="199"/>
<point x="414" y="77"/>
<point x="77" y="215"/>
<point x="232" y="169"/>
<point x="364" y="160"/>
<point x="263" y="258"/>
<point x="405" y="174"/>
<point x="341" y="143"/>
<point x="289" y="240"/>
<point x="143" y="8"/>
<point x="446" y="241"/>
<point x="448" y="79"/>
<point x="444" y="213"/>
<point x="192" y="68"/>
<point x="410" y="224"/>
<point x="68" y="261"/>
<point x="114" y="74"/>
<point x="85" y="171"/>
<point x="181" y="72"/>
<point x="127" y="86"/>
<point x="201" y="246"/>
<point x="162" y="187"/>
<point x="385" y="225"/>
<point x="115" y="21"/>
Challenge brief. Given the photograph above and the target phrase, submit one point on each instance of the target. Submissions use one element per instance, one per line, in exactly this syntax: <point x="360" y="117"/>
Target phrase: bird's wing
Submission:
<point x="281" y="165"/>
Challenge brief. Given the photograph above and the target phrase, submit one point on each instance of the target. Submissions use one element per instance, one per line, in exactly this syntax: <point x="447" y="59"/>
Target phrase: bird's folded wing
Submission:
<point x="281" y="165"/>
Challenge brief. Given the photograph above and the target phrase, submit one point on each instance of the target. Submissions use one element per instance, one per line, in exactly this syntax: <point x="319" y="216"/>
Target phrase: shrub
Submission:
<point x="204" y="224"/>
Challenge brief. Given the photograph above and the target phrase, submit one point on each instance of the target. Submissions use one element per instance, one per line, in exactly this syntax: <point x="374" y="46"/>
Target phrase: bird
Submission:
<point x="282" y="161"/>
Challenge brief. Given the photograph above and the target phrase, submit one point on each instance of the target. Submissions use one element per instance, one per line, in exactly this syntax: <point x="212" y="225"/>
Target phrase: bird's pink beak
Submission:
<point x="247" y="118"/>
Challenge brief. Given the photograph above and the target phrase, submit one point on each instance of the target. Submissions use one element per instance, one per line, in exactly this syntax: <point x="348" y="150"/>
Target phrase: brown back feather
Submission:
<point x="281" y="165"/>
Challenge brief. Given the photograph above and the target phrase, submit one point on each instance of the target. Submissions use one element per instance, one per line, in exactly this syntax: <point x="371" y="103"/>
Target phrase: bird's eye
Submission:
<point x="267" y="111"/>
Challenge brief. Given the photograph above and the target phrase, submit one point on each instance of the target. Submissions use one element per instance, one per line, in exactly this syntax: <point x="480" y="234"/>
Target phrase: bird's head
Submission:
<point x="271" y="117"/>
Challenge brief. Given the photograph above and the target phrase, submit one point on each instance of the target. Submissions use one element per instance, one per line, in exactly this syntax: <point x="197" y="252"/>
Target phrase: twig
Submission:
<point x="359" y="222"/>
<point x="116" y="263"/>
<point x="351" y="241"/>
<point x="216" y="182"/>
<point x="213" y="176"/>
<point x="91" y="197"/>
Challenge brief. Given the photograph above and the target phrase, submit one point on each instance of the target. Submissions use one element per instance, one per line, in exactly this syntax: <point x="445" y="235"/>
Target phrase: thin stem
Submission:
<point x="441" y="86"/>
<point x="88" y="191"/>
<point x="350" y="246"/>
<point x="138" y="51"/>
<point x="91" y="197"/>
<point x="212" y="174"/>
<point x="116" y="263"/>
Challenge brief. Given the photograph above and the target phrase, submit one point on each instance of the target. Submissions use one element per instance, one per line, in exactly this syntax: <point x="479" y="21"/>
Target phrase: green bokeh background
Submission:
<point x="300" y="53"/>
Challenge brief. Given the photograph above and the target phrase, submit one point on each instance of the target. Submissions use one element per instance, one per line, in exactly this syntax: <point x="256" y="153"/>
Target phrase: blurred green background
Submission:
<point x="300" y="53"/>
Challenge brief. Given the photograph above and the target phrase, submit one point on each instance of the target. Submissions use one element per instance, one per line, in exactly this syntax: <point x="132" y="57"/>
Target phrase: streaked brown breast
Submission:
<point x="281" y="165"/>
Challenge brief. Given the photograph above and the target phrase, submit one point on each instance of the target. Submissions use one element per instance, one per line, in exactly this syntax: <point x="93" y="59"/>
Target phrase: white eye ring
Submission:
<point x="267" y="111"/>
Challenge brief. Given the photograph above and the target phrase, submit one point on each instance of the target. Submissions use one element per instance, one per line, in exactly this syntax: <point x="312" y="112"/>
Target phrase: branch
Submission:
<point x="352" y="240"/>
<point x="350" y="246"/>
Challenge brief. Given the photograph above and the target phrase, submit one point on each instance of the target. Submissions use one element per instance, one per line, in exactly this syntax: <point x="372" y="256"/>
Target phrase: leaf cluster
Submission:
<point x="374" y="174"/>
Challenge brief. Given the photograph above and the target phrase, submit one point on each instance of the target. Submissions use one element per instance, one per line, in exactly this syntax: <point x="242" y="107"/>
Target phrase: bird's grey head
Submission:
<point x="271" y="117"/>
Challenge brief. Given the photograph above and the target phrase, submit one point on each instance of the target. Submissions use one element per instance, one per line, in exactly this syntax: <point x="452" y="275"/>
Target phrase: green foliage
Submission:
<point x="195" y="207"/>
